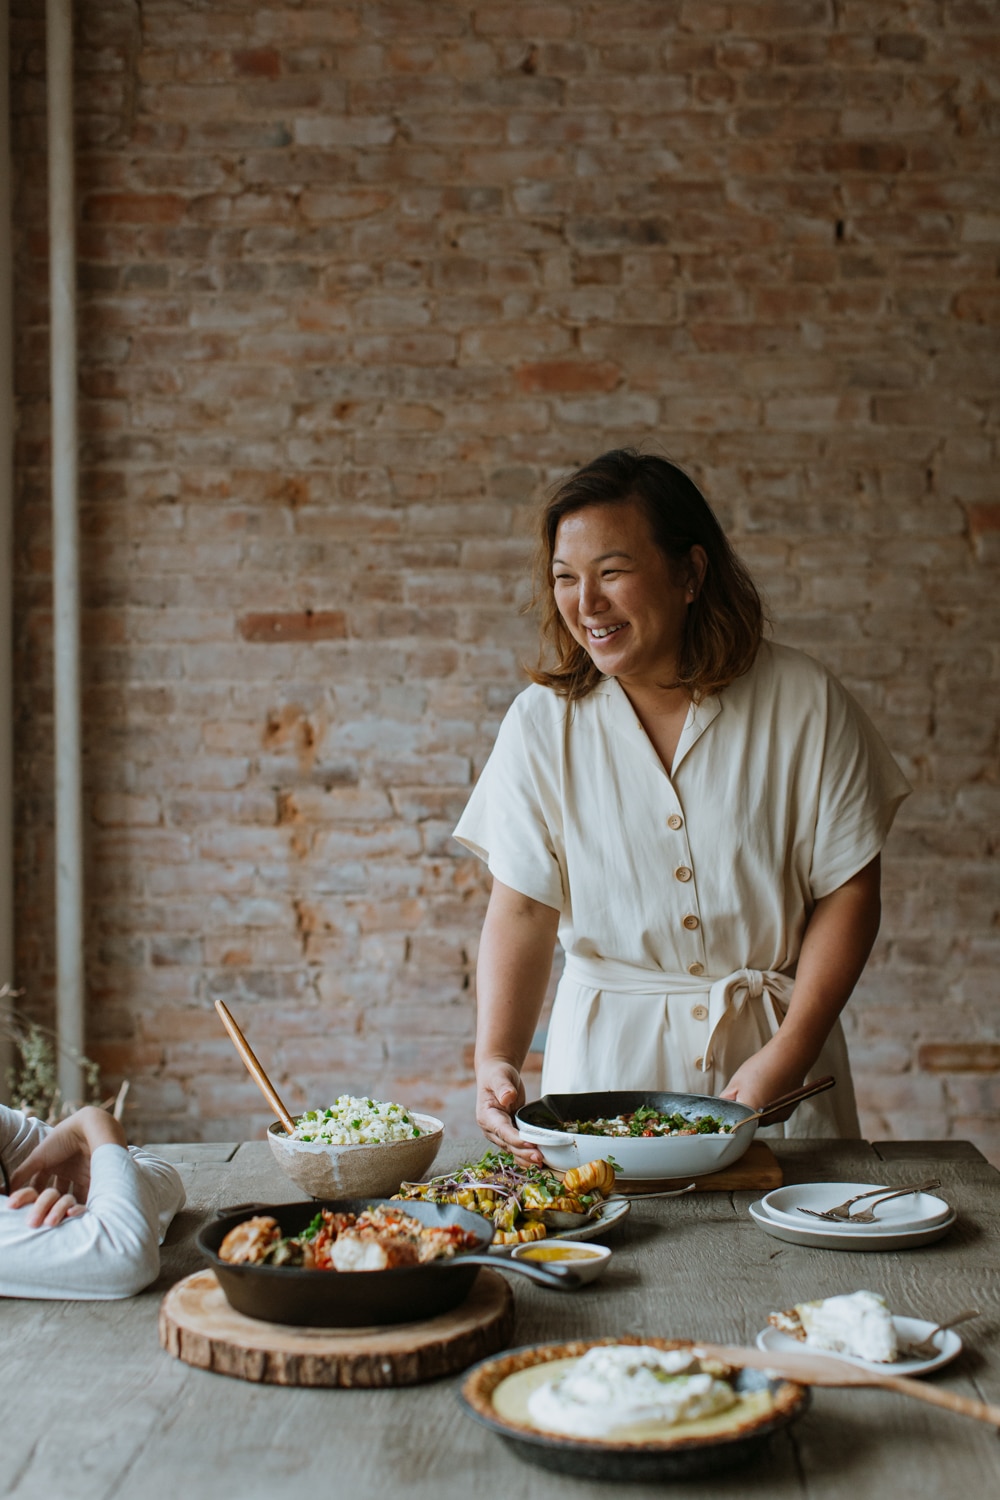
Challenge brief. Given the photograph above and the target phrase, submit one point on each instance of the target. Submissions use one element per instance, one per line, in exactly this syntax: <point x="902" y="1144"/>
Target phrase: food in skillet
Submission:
<point x="647" y="1121"/>
<point x="512" y="1196"/>
<point x="379" y="1239"/>
<point x="857" y="1323"/>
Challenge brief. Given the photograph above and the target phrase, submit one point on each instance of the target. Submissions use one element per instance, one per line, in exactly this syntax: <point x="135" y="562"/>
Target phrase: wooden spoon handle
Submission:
<point x="254" y="1068"/>
<point x="825" y="1369"/>
<point x="965" y="1406"/>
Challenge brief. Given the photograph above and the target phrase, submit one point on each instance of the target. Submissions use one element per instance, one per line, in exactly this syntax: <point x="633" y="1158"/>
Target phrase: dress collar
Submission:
<point x="626" y="721"/>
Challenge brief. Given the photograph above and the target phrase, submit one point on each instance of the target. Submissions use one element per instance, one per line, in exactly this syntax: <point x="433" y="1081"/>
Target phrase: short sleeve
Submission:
<point x="860" y="790"/>
<point x="513" y="819"/>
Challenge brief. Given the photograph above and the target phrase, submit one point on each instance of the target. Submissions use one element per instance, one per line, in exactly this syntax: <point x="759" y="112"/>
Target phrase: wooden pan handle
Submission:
<point x="804" y="1091"/>
<point x="254" y="1068"/>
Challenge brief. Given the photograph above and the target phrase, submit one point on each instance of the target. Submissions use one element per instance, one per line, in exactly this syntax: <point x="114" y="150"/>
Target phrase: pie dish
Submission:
<point x="673" y="1457"/>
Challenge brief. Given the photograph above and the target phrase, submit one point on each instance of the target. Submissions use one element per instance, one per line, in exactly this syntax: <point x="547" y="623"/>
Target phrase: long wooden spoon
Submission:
<point x="815" y="1369"/>
<point x="254" y="1068"/>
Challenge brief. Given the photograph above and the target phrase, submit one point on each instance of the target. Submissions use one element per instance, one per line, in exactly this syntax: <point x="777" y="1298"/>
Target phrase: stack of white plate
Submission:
<point x="900" y="1224"/>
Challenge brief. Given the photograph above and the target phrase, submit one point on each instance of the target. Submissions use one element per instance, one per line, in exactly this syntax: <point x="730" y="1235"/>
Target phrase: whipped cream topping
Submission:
<point x="617" y="1386"/>
<point x="858" y="1323"/>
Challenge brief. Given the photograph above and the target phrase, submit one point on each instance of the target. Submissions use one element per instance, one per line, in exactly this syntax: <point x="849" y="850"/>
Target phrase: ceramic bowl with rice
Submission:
<point x="356" y="1148"/>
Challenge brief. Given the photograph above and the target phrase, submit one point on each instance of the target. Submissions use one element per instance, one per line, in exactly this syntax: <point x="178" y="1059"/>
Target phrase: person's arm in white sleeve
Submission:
<point x="165" y="1183"/>
<point x="19" y="1135"/>
<point x="111" y="1248"/>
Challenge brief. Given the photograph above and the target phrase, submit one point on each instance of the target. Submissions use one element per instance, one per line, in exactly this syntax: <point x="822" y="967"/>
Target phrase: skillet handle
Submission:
<point x="556" y="1278"/>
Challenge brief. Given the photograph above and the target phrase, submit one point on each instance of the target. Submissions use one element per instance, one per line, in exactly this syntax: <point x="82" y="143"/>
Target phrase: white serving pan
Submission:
<point x="649" y="1158"/>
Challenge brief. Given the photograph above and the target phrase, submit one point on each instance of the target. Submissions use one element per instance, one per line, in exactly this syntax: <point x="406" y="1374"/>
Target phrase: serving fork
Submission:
<point x="842" y="1211"/>
<point x="928" y="1348"/>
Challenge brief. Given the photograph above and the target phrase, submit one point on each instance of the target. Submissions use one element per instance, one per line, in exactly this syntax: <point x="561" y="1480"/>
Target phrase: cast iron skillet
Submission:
<point x="652" y="1157"/>
<point x="356" y="1299"/>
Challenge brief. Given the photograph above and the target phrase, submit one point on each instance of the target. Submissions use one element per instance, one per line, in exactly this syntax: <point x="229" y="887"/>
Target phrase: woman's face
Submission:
<point x="619" y="595"/>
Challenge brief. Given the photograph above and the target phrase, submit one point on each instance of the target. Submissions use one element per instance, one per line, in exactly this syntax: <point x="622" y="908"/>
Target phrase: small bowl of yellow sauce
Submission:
<point x="588" y="1261"/>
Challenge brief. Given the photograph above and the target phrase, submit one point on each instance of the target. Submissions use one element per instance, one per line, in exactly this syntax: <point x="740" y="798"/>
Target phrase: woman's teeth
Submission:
<point x="606" y="630"/>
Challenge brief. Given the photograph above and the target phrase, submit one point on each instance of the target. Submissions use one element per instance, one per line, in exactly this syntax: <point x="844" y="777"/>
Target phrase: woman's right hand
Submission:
<point x="499" y="1094"/>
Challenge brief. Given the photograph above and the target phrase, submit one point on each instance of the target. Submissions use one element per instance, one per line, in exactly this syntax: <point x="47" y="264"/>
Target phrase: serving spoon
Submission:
<point x="817" y="1369"/>
<point x="254" y="1068"/>
<point x="557" y="1218"/>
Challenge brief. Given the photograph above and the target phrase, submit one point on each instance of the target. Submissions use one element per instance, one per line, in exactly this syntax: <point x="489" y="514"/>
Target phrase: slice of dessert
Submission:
<point x="857" y="1323"/>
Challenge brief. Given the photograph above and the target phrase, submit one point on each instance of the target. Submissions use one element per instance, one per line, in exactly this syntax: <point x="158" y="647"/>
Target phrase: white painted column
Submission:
<point x="65" y="550"/>
<point x="6" y="540"/>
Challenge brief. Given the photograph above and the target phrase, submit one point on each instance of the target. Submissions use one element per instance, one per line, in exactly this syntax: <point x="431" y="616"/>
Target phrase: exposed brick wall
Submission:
<point x="357" y="281"/>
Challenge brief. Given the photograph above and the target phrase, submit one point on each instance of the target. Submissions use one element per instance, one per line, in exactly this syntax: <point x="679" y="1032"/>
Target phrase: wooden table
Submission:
<point x="94" y="1409"/>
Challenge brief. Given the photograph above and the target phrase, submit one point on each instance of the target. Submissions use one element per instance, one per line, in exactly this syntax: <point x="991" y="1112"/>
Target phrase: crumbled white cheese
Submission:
<point x="356" y="1122"/>
<point x="617" y="1386"/>
<point x="858" y="1323"/>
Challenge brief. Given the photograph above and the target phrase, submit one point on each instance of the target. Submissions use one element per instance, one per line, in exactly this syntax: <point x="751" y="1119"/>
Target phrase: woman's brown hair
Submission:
<point x="724" y="625"/>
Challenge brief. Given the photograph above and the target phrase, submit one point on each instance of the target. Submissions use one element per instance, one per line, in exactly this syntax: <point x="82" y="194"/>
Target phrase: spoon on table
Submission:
<point x="806" y="1091"/>
<point x="254" y="1068"/>
<point x="818" y="1369"/>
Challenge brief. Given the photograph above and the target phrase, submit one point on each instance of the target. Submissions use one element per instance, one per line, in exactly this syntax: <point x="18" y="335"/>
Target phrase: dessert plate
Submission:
<point x="916" y="1211"/>
<point x="822" y="1235"/>
<point x="908" y="1331"/>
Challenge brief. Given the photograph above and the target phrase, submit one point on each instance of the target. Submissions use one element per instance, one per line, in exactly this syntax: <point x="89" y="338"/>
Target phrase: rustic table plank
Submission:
<point x="98" y="1410"/>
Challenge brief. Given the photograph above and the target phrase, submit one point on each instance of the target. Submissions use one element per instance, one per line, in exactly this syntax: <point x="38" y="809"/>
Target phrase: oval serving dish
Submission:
<point x="637" y="1157"/>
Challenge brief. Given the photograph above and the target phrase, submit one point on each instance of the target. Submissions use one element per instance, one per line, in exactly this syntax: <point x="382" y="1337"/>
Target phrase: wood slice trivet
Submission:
<point x="198" y="1326"/>
<point x="756" y="1171"/>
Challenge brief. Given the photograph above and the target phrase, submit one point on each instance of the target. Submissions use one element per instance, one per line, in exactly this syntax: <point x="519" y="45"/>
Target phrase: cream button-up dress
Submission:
<point x="683" y="898"/>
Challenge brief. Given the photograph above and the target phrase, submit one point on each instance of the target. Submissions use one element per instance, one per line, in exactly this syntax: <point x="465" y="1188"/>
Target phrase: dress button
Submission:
<point x="698" y="1062"/>
<point x="690" y="922"/>
<point x="696" y="968"/>
<point x="700" y="1012"/>
<point x="683" y="873"/>
<point x="675" y="821"/>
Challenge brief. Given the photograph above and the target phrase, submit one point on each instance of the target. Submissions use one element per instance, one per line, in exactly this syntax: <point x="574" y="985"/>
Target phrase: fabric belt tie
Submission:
<point x="727" y="997"/>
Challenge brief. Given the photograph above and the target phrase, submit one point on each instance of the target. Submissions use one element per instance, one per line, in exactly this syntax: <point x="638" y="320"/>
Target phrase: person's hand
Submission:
<point x="499" y="1094"/>
<point x="765" y="1076"/>
<point x="47" y="1208"/>
<point x="62" y="1159"/>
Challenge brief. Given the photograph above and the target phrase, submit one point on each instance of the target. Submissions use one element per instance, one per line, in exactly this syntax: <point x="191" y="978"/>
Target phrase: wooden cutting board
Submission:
<point x="198" y="1326"/>
<point x="756" y="1171"/>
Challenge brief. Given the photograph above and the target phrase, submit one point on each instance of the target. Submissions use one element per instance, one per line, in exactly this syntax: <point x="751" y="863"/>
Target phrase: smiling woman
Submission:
<point x="656" y="510"/>
<point x="697" y="813"/>
<point x="626" y="604"/>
